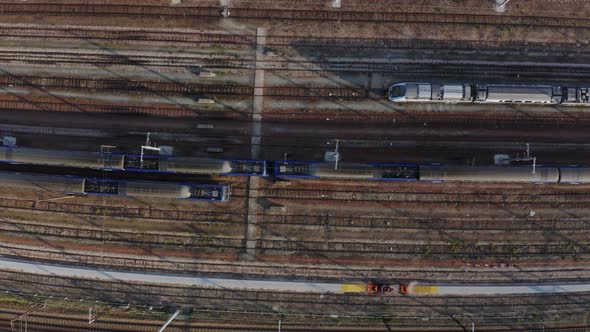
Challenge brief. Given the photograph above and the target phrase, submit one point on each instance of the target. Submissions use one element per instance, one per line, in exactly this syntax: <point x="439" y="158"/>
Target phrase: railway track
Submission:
<point x="561" y="199"/>
<point x="123" y="34"/>
<point x="350" y="306"/>
<point x="202" y="242"/>
<point x="170" y="88"/>
<point x="452" y="250"/>
<point x="560" y="120"/>
<point x="182" y="111"/>
<point x="93" y="58"/>
<point x="41" y="320"/>
<point x="187" y="12"/>
<point x="38" y="322"/>
<point x="384" y="223"/>
<point x="114" y="211"/>
<point x="491" y="70"/>
<point x="565" y="119"/>
<point x="277" y="245"/>
<point x="551" y="200"/>
<point x="139" y="35"/>
<point x="500" y="271"/>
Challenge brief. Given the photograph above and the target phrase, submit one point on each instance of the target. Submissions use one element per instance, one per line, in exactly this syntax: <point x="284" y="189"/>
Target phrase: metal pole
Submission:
<point x="337" y="156"/>
<point x="169" y="321"/>
<point x="146" y="147"/>
<point x="54" y="199"/>
<point x="280" y="321"/>
<point x="501" y="3"/>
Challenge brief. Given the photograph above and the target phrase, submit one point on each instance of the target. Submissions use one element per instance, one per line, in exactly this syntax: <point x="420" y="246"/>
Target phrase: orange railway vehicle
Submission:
<point x="403" y="289"/>
<point x="374" y="288"/>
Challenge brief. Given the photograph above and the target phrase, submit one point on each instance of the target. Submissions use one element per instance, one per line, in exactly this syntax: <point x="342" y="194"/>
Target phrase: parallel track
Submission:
<point x="289" y="246"/>
<point x="289" y="14"/>
<point x="123" y="35"/>
<point x="182" y="61"/>
<point x="550" y="200"/>
<point x="334" y="221"/>
<point x="134" y="239"/>
<point x="171" y="88"/>
<point x="113" y="211"/>
<point x="561" y="120"/>
<point x="349" y="270"/>
<point x="440" y="309"/>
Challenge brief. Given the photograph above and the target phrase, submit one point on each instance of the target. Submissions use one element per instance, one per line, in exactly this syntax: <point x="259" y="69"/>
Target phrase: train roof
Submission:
<point x="60" y="158"/>
<point x="344" y="170"/>
<point x="418" y="90"/>
<point x="532" y="93"/>
<point x="154" y="189"/>
<point x="489" y="174"/>
<point x="43" y="182"/>
<point x="196" y="165"/>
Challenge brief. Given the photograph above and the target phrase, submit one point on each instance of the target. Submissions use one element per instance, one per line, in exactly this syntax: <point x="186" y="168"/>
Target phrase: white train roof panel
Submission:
<point x="498" y="93"/>
<point x="154" y="189"/>
<point x="345" y="170"/>
<point x="198" y="165"/>
<point x="488" y="174"/>
<point x="424" y="91"/>
<point x="453" y="92"/>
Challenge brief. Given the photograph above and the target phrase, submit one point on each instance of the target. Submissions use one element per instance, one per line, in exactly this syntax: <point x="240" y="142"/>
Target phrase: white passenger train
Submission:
<point x="488" y="93"/>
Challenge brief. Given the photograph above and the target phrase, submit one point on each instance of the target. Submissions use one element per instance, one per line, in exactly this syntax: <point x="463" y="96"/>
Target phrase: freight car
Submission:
<point x="488" y="93"/>
<point x="92" y="186"/>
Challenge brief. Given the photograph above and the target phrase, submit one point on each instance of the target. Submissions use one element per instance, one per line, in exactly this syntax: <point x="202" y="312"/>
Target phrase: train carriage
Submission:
<point x="194" y="165"/>
<point x="574" y="174"/>
<point x="62" y="158"/>
<point x="247" y="167"/>
<point x="428" y="91"/>
<point x="443" y="173"/>
<point x="42" y="182"/>
<point x="79" y="185"/>
<point x="318" y="170"/>
<point x="501" y="93"/>
<point x="153" y="189"/>
<point x="488" y="93"/>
